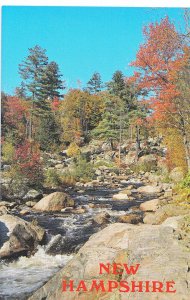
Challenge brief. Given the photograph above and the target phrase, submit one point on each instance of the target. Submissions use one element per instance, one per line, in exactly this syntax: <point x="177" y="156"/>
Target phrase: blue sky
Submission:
<point x="80" y="39"/>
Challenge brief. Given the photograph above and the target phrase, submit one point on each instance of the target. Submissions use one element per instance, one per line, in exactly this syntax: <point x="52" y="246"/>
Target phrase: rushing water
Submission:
<point x="20" y="278"/>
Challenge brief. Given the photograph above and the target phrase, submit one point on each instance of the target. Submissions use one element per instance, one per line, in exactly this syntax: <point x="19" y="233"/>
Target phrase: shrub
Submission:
<point x="108" y="164"/>
<point x="8" y="151"/>
<point x="143" y="167"/>
<point x="52" y="178"/>
<point x="68" y="178"/>
<point x="83" y="169"/>
<point x="27" y="163"/>
<point x="186" y="181"/>
<point x="166" y="178"/>
<point x="18" y="184"/>
<point x="73" y="150"/>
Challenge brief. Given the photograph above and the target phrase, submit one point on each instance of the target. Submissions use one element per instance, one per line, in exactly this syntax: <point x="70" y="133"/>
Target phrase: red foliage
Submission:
<point x="27" y="157"/>
<point x="158" y="60"/>
<point x="55" y="104"/>
<point x="16" y="110"/>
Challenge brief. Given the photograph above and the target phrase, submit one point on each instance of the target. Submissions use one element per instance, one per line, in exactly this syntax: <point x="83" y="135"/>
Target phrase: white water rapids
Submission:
<point x="20" y="278"/>
<point x="27" y="274"/>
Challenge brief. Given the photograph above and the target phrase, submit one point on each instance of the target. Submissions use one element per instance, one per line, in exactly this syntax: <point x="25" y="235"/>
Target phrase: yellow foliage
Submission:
<point x="175" y="149"/>
<point x="8" y="151"/>
<point x="79" y="112"/>
<point x="73" y="150"/>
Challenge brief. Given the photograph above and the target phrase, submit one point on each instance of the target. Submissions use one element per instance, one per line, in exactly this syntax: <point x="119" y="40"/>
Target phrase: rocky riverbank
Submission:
<point x="157" y="248"/>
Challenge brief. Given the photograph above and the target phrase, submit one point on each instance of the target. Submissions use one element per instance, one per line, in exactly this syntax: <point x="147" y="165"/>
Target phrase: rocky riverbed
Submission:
<point x="42" y="230"/>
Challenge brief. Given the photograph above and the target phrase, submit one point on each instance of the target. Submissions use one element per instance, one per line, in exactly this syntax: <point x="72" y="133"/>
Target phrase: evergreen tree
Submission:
<point x="94" y="85"/>
<point x="20" y="91"/>
<point x="117" y="85"/>
<point x="47" y="134"/>
<point x="32" y="68"/>
<point x="127" y="92"/>
<point x="109" y="127"/>
<point x="50" y="82"/>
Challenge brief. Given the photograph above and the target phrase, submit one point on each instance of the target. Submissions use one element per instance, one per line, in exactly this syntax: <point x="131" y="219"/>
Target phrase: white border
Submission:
<point x="113" y="3"/>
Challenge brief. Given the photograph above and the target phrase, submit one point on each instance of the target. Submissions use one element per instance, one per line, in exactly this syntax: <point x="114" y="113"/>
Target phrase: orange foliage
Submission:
<point x="159" y="59"/>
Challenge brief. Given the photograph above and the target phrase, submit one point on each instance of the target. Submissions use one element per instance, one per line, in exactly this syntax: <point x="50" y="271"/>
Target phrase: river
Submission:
<point x="21" y="277"/>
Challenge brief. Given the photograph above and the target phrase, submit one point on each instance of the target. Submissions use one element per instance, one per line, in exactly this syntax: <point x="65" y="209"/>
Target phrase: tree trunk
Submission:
<point x="120" y="139"/>
<point x="111" y="144"/>
<point x="138" y="144"/>
<point x="31" y="118"/>
<point x="186" y="143"/>
<point x="30" y="127"/>
<point x="187" y="149"/>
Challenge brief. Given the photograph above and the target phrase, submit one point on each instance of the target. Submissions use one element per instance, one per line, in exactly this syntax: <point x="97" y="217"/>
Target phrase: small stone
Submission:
<point x="30" y="203"/>
<point x="24" y="211"/>
<point x="79" y="211"/>
<point x="101" y="218"/>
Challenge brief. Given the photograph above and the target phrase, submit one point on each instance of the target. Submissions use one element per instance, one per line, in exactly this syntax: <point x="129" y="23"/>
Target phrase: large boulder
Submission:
<point x="18" y="236"/>
<point x="54" y="202"/>
<point x="155" y="248"/>
<point x="151" y="205"/>
<point x="164" y="212"/>
<point x="149" y="189"/>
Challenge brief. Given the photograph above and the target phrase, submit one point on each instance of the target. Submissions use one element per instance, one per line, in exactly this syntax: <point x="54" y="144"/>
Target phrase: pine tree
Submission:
<point x="20" y="91"/>
<point x="94" y="85"/>
<point x="47" y="134"/>
<point x="50" y="82"/>
<point x="32" y="68"/>
<point x="109" y="127"/>
<point x="117" y="85"/>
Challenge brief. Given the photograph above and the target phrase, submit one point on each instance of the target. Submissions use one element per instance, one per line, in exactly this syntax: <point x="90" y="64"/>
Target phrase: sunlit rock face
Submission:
<point x="160" y="255"/>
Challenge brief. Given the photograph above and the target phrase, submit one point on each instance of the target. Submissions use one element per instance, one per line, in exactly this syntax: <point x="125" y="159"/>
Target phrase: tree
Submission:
<point x="110" y="125"/>
<point x="15" y="118"/>
<point x="160" y="61"/>
<point x="42" y="82"/>
<point x="94" y="85"/>
<point x="27" y="163"/>
<point x="32" y="68"/>
<point x="20" y="91"/>
<point x="47" y="133"/>
<point x="117" y="85"/>
<point x="128" y="93"/>
<point x="125" y="89"/>
<point x="80" y="112"/>
<point x="50" y="82"/>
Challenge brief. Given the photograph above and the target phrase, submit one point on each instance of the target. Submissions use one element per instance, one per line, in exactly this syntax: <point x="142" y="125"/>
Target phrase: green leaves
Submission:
<point x="41" y="79"/>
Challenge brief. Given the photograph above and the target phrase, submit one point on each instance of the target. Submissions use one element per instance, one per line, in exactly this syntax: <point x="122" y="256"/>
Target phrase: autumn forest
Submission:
<point x="41" y="117"/>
